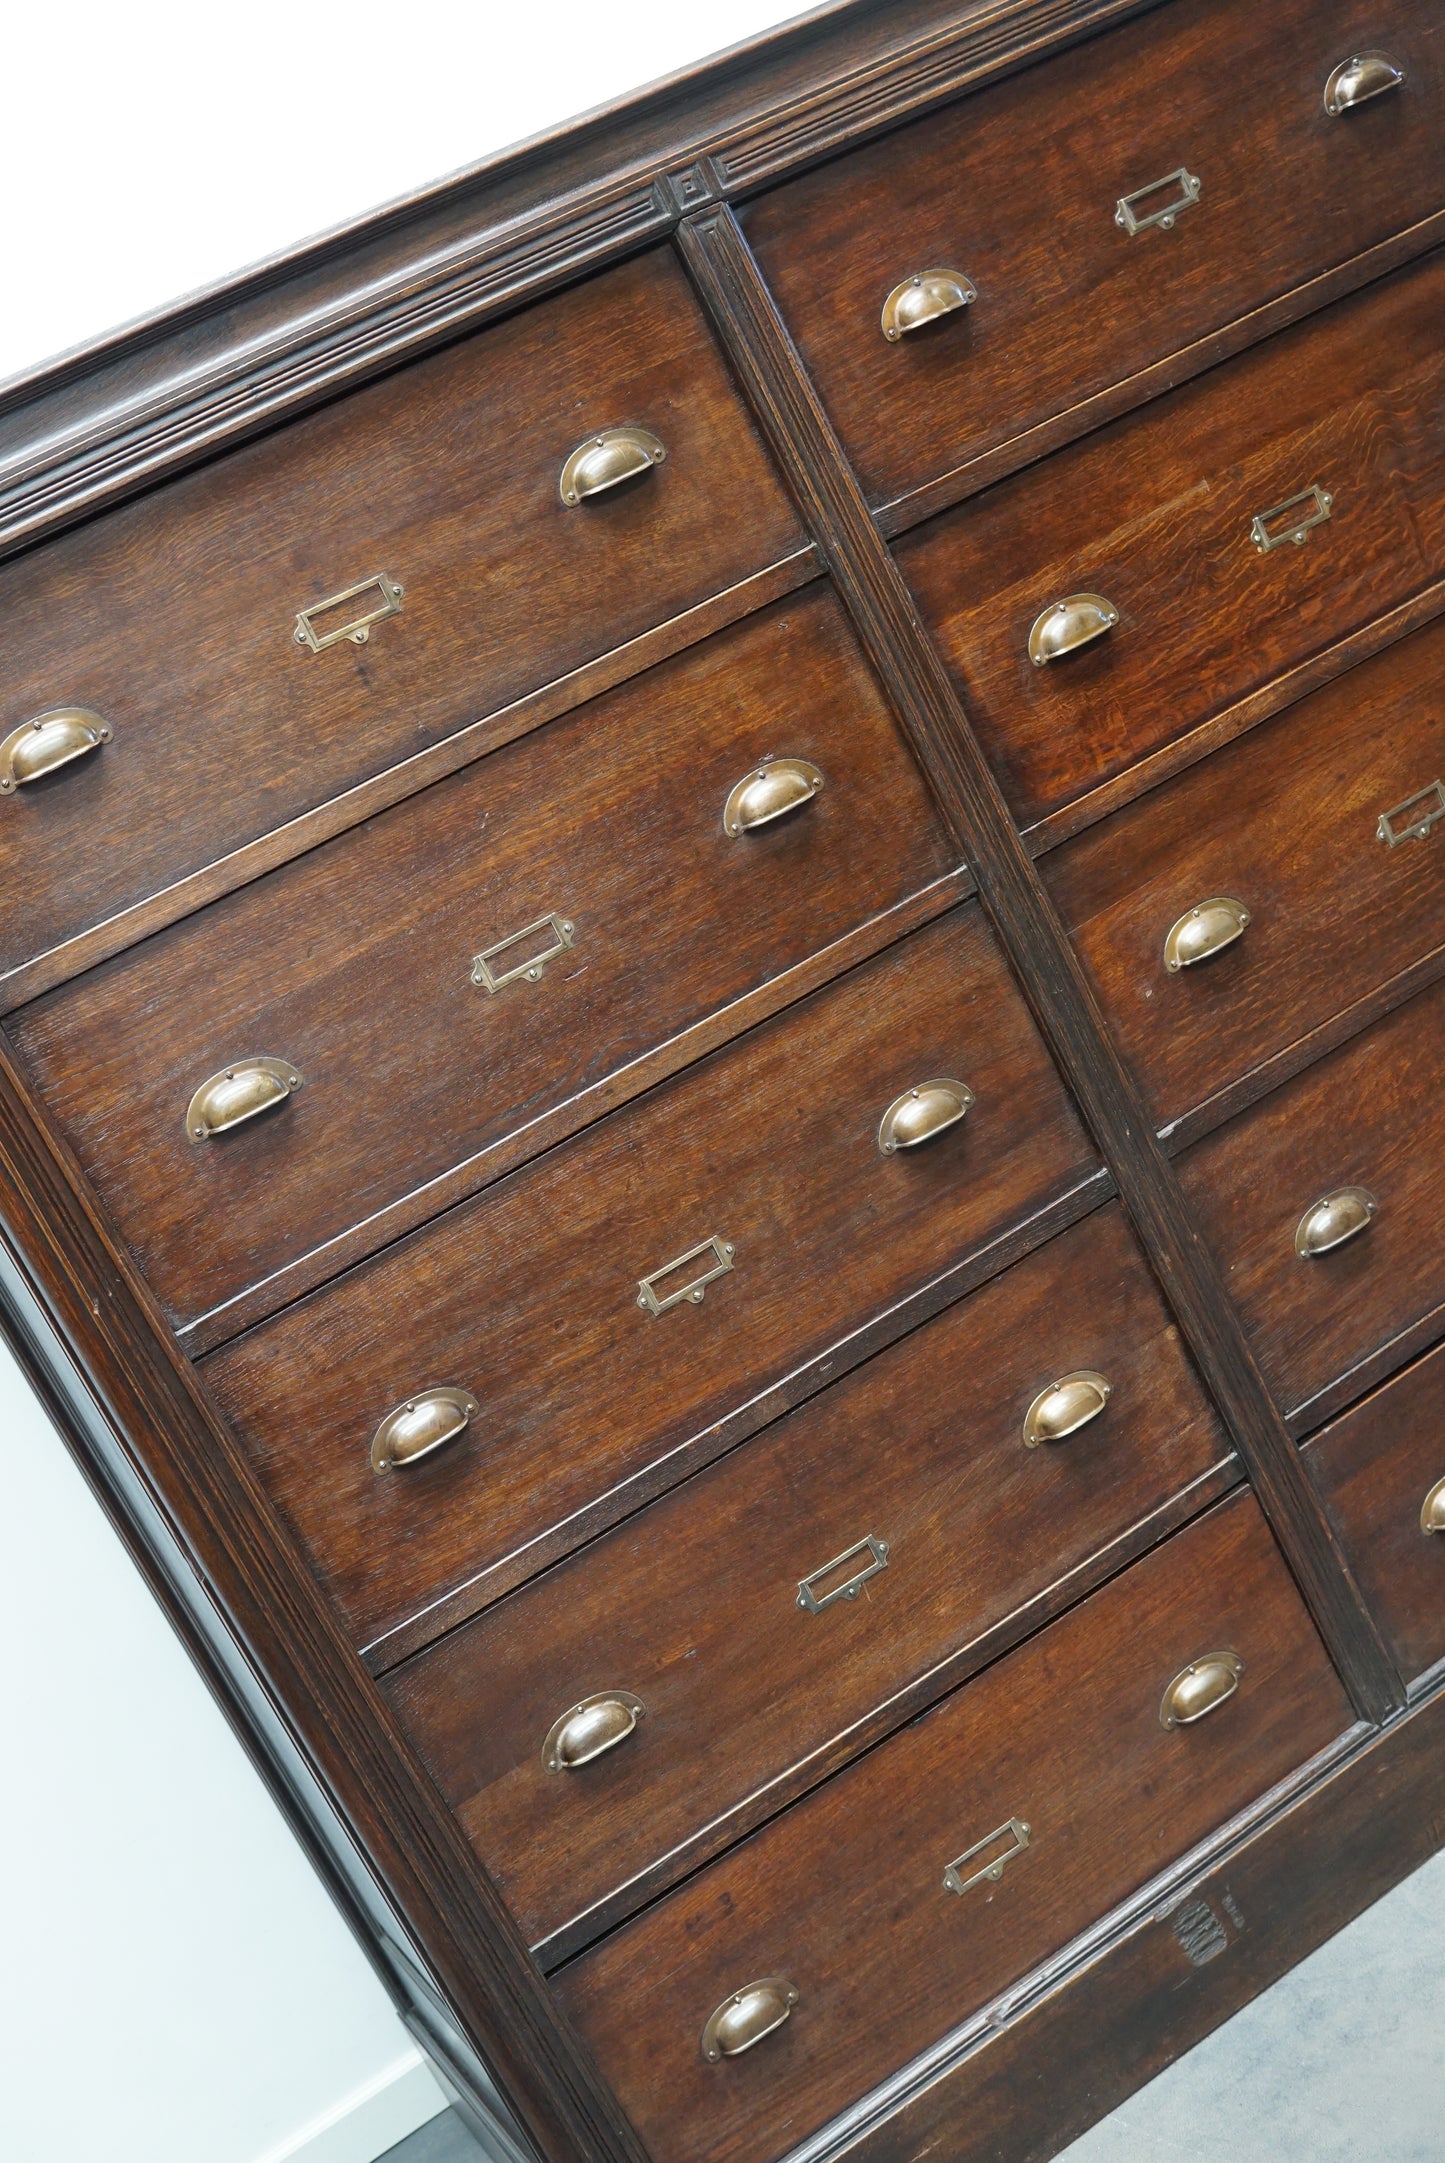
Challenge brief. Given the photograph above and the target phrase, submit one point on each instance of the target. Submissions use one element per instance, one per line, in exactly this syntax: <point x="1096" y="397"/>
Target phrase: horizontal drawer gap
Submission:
<point x="1216" y="1111"/>
<point x="1234" y="721"/>
<point x="459" y="1605"/>
<point x="526" y="1143"/>
<point x="920" y="1695"/>
<point x="128" y="927"/>
<point x="905" y="512"/>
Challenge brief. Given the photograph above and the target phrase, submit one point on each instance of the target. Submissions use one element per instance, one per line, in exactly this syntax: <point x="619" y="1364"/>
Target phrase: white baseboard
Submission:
<point x="368" y="2121"/>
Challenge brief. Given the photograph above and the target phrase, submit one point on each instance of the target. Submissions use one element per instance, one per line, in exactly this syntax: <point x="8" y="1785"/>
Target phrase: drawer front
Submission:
<point x="1339" y="418"/>
<point x="1018" y="189"/>
<point x="717" y="1608"/>
<point x="445" y="478"/>
<point x="601" y="838"/>
<point x="538" y="1298"/>
<point x="1288" y="824"/>
<point x="1381" y="1470"/>
<point x="844" y="1897"/>
<point x="1371" y="1117"/>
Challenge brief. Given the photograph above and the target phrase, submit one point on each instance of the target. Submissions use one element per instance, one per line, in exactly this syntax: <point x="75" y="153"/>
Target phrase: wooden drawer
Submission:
<point x="694" y="1605"/>
<point x="531" y="1297"/>
<point x="1156" y="516"/>
<point x="174" y="618"/>
<point x="1381" y="1470"/>
<point x="356" y="962"/>
<point x="1017" y="187"/>
<point x="1372" y="1116"/>
<point x="844" y="1897"/>
<point x="1287" y="823"/>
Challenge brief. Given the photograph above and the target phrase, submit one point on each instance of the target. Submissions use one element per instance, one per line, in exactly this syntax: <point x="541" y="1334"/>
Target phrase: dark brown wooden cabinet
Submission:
<point x="722" y="996"/>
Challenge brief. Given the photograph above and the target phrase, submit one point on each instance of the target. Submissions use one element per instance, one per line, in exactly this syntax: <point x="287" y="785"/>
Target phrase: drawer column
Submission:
<point x="832" y="504"/>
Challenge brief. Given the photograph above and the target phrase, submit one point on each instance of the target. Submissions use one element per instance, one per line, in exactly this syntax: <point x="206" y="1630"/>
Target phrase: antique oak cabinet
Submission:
<point x="723" y="972"/>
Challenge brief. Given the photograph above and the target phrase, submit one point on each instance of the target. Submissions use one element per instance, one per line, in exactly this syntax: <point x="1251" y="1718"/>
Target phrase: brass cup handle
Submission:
<point x="922" y="1113"/>
<point x="1432" y="1509"/>
<point x="606" y="460"/>
<point x="758" y="2009"/>
<point x="923" y="298"/>
<point x="1200" y="1688"/>
<point x="1332" y="1220"/>
<point x="1362" y="77"/>
<point x="239" y="1093"/>
<point x="1066" y="1406"/>
<point x="422" y="1424"/>
<point x="47" y="743"/>
<point x="773" y="789"/>
<point x="1067" y="626"/>
<point x="1204" y="931"/>
<point x="590" y="1728"/>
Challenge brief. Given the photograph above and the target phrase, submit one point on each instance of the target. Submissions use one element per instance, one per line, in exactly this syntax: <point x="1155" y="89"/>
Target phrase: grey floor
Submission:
<point x="1343" y="2061"/>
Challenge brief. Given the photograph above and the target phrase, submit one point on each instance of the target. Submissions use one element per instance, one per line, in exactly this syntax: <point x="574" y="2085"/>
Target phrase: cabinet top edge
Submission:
<point x="119" y="414"/>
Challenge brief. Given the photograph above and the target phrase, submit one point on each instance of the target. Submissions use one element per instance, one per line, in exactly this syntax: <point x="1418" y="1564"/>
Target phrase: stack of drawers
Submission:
<point x="494" y="954"/>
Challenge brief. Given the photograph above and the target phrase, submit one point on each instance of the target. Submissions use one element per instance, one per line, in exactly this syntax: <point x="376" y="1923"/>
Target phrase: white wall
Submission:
<point x="174" y="1985"/>
<point x="154" y="148"/>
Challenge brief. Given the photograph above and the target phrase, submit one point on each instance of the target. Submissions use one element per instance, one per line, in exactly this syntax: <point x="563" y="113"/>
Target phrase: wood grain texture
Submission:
<point x="338" y="814"/>
<point x="1017" y="188"/>
<point x="1236" y="720"/>
<point x="1302" y="1051"/>
<point x="1375" y="1467"/>
<point x="875" y="1266"/>
<point x="844" y="1894"/>
<point x="1030" y="933"/>
<point x="693" y="1598"/>
<point x="137" y="405"/>
<point x="528" y="1296"/>
<point x="318" y="1265"/>
<point x="1156" y="513"/>
<point x="356" y="961"/>
<point x="1286" y="822"/>
<point x="199" y="1482"/>
<point x="1277" y="1885"/>
<point x="446" y="478"/>
<point x="1323" y="1329"/>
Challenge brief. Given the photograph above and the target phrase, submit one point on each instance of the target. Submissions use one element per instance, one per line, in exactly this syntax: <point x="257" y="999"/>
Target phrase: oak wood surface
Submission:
<point x="1375" y="1467"/>
<point x="1237" y="719"/>
<point x="528" y="1296"/>
<point x="355" y="962"/>
<point x="1286" y="822"/>
<point x="1372" y="1115"/>
<point x="1156" y="513"/>
<point x="174" y="617"/>
<point x="811" y="458"/>
<point x="379" y="791"/>
<point x="1035" y="2075"/>
<point x="90" y="433"/>
<point x="144" y="402"/>
<point x="571" y="1114"/>
<point x="1017" y="188"/>
<point x="198" y="1481"/>
<point x="844" y="1895"/>
<point x="693" y="1604"/>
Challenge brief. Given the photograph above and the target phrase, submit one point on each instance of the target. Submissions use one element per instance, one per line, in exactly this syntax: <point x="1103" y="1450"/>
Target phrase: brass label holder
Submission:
<point x="1293" y="520"/>
<point x="356" y="623"/>
<point x="1014" y="1832"/>
<point x="720" y="1253"/>
<point x="1422" y="811"/>
<point x="526" y="968"/>
<point x="1129" y="214"/>
<point x="813" y="1601"/>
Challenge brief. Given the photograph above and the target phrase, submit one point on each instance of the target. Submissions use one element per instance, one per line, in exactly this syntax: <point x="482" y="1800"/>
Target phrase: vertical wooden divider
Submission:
<point x="789" y="412"/>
